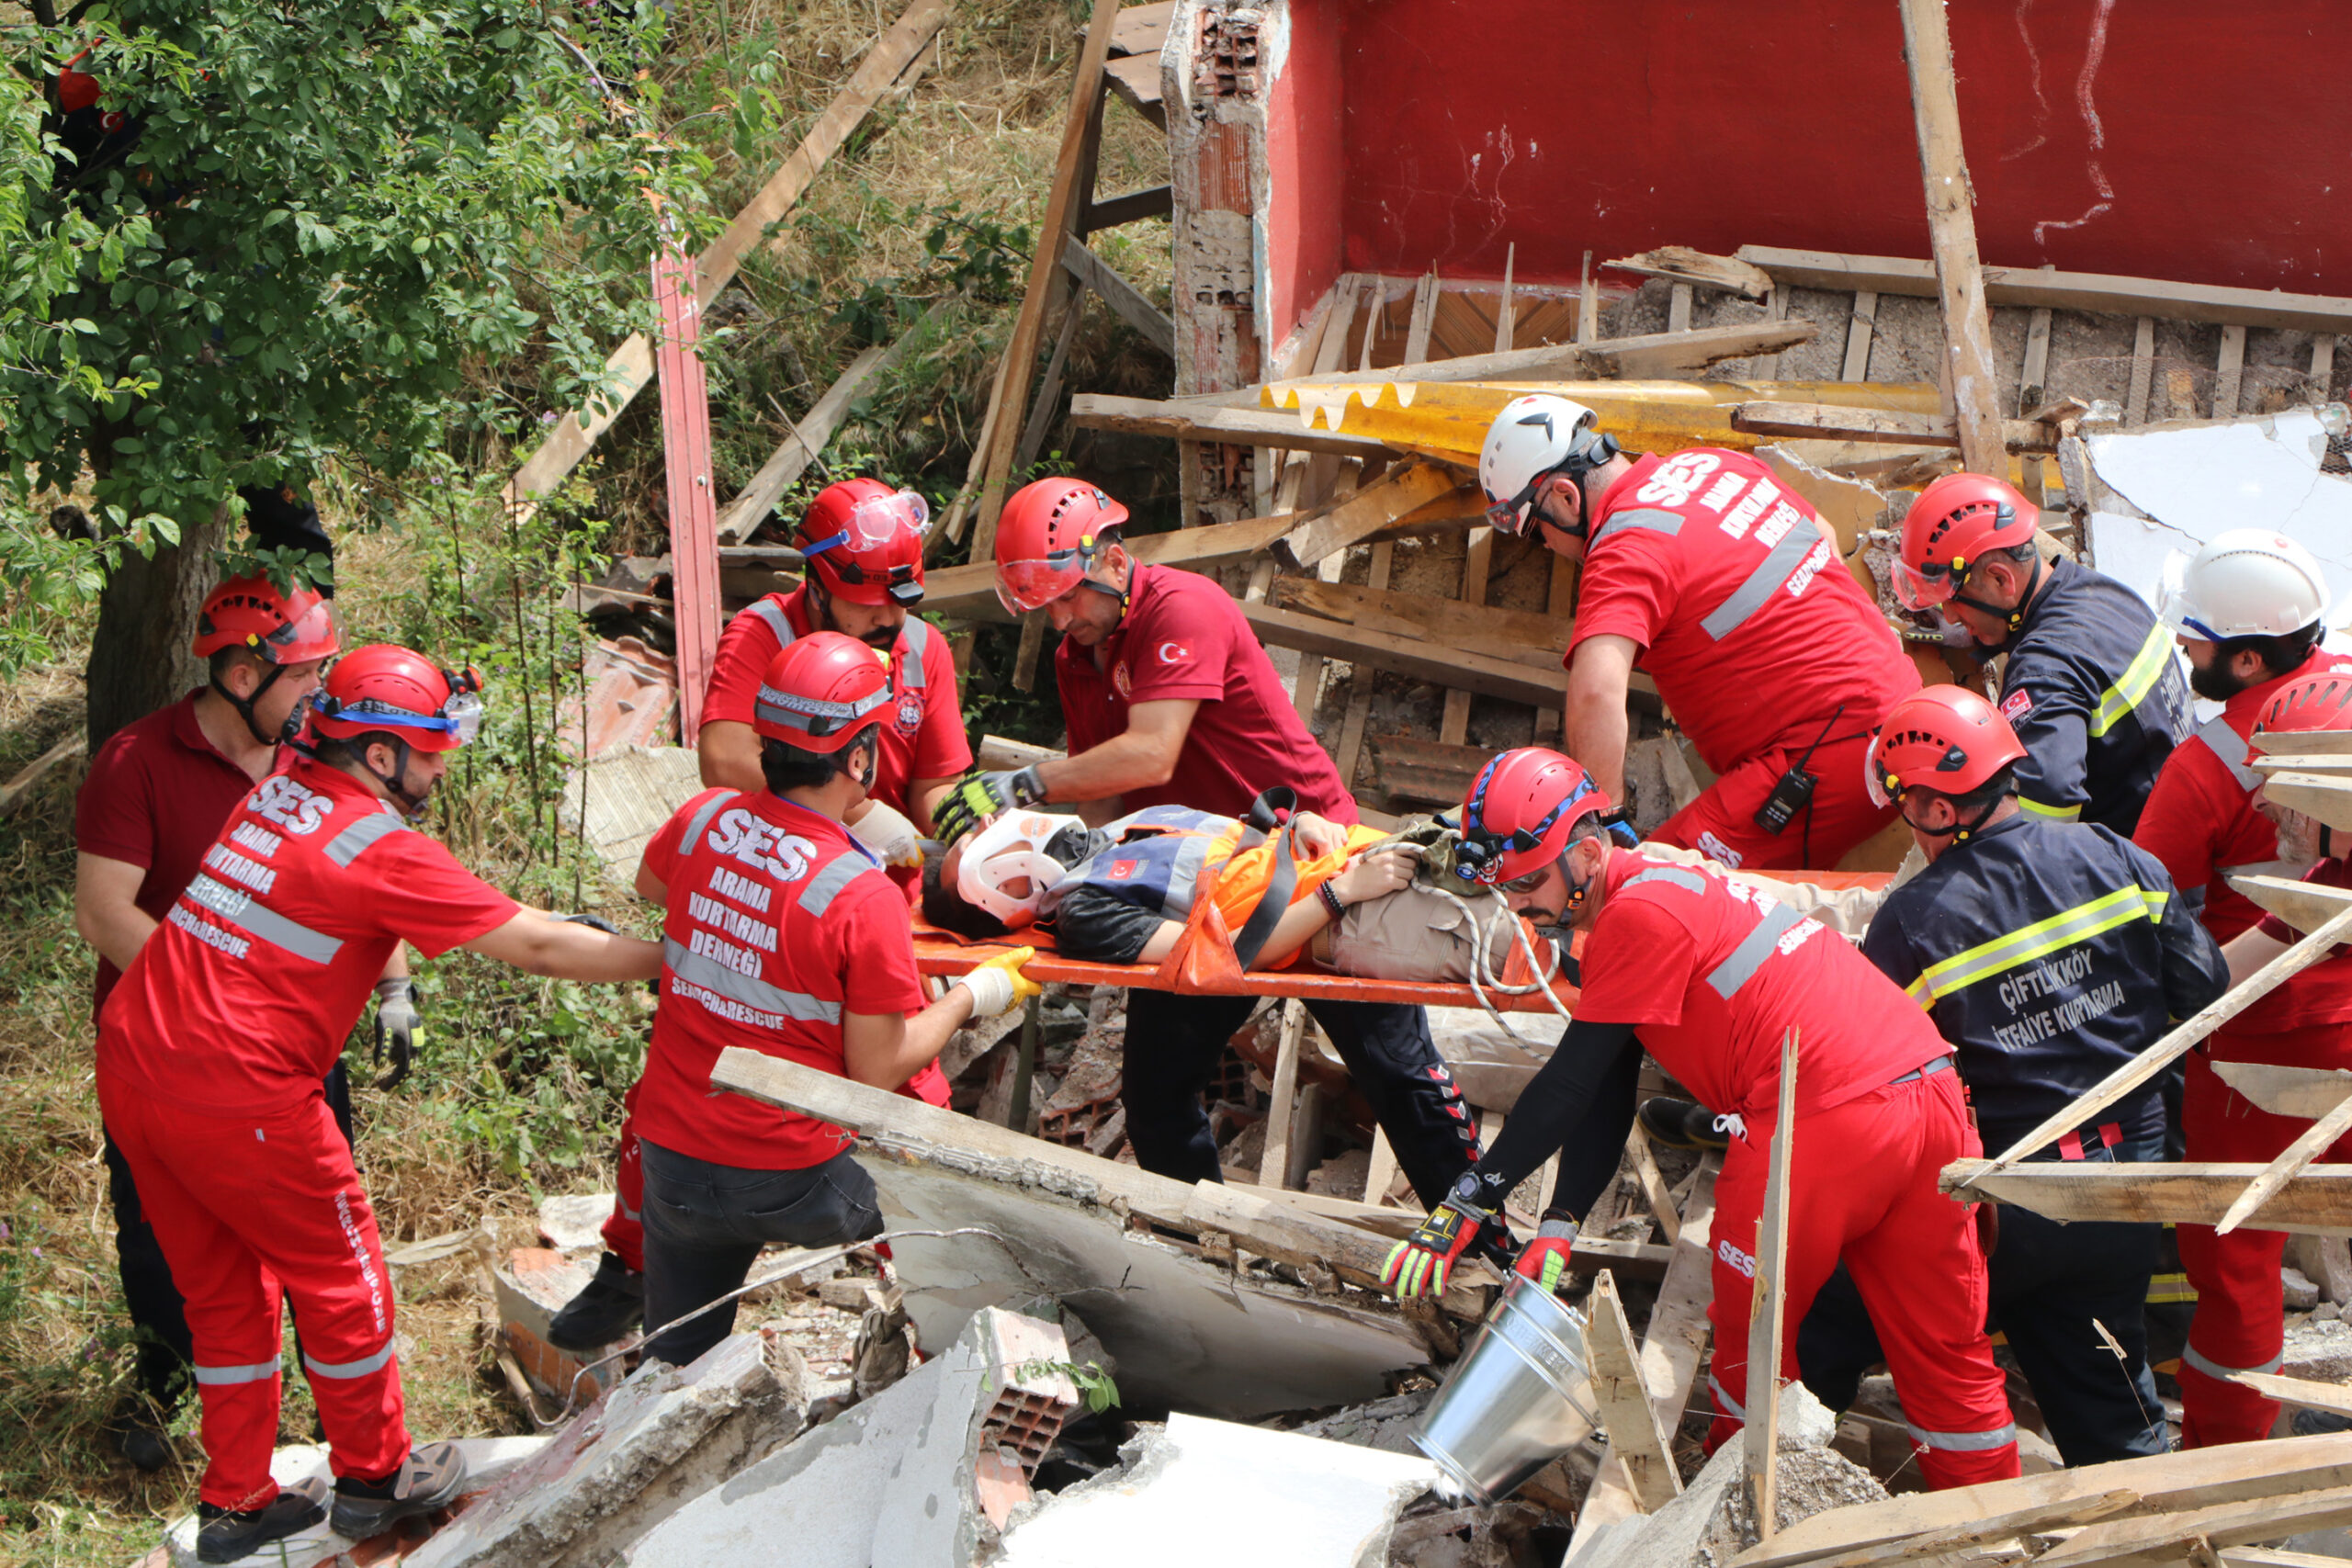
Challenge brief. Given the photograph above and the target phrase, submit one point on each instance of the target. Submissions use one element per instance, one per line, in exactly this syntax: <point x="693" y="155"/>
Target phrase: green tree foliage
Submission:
<point x="322" y="236"/>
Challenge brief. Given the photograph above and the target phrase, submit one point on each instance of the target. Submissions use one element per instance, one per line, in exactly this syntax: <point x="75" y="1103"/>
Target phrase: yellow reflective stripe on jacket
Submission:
<point x="2055" y="813"/>
<point x="2137" y="682"/>
<point x="2043" y="937"/>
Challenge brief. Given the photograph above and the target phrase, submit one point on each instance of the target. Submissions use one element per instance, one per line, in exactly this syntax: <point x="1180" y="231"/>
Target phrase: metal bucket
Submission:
<point x="1517" y="1399"/>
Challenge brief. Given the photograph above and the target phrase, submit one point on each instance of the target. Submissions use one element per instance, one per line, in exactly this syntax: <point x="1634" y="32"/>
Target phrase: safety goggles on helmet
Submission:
<point x="1884" y="789"/>
<point x="460" y="715"/>
<point x="1479" y="857"/>
<point x="1025" y="585"/>
<point x="2174" y="606"/>
<point x="815" y="717"/>
<point x="1929" y="584"/>
<point x="875" y="521"/>
<point x="1519" y="516"/>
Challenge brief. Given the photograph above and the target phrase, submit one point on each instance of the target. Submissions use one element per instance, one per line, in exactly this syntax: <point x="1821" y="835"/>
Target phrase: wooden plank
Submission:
<point x="1422" y="659"/>
<point x="1954" y="1542"/>
<point x="1680" y="263"/>
<point x="1080" y="124"/>
<point x="1350" y="751"/>
<point x="1135" y="81"/>
<point x="1970" y="383"/>
<point x="2034" y="375"/>
<point x="2320" y="742"/>
<point x="2305" y="906"/>
<point x="1273" y="1164"/>
<point x="2319" y="1202"/>
<point x="1126" y="301"/>
<point x="1764" y="1309"/>
<point x="1858" y="337"/>
<point x="1134" y="207"/>
<point x="1204" y="421"/>
<point x="1520" y="635"/>
<point x="1830" y="421"/>
<point x="1142" y="30"/>
<point x="1654" y="1188"/>
<point x="1424" y="316"/>
<point x="2323" y="361"/>
<point x="1049" y="388"/>
<point x="2315" y="795"/>
<point x="685" y="444"/>
<point x="805" y="442"/>
<point x="2307" y="1093"/>
<point x="1641" y="1444"/>
<point x="2099" y="293"/>
<point x="1651" y="357"/>
<point x="1428" y="487"/>
<point x="2301" y="1393"/>
<point x="899" y="53"/>
<point x="1271" y="1228"/>
<point x="1670" y="1352"/>
<point x="2150" y="1541"/>
<point x="2315" y="1141"/>
<point x="1453" y="726"/>
<point x="19" y="788"/>
<point x="1677" y="308"/>
<point x="969" y="593"/>
<point x="2228" y="371"/>
<point x="2144" y="365"/>
<point x="1381" y="1174"/>
<point x="1506" y="311"/>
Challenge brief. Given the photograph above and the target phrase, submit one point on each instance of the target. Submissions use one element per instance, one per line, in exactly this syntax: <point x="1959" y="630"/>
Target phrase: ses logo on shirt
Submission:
<point x="762" y="845"/>
<point x="298" y="810"/>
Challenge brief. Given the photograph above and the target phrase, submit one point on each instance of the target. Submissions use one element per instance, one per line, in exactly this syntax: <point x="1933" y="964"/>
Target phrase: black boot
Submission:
<point x="428" y="1479"/>
<point x="604" y="1312"/>
<point x="224" y="1535"/>
<point x="139" y="1436"/>
<point x="1679" y="1124"/>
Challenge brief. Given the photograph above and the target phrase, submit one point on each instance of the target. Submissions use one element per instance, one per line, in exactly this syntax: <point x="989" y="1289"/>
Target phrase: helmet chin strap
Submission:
<point x="394" y="786"/>
<point x="245" y="706"/>
<point x="2014" y="616"/>
<point x="1959" y="833"/>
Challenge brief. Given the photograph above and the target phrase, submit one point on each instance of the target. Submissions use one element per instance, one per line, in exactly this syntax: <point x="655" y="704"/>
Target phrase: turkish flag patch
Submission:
<point x="2016" y="705"/>
<point x="1121" y="870"/>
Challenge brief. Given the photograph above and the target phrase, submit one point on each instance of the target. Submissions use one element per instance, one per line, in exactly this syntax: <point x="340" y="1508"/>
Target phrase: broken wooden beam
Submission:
<point x="1628" y="1419"/>
<point x="1432" y="661"/>
<point x="1768" y="1290"/>
<point x="1680" y="263"/>
<point x="1126" y="301"/>
<point x="1156" y="201"/>
<point x="1971" y="384"/>
<point x="2318" y="1202"/>
<point x="1431" y="489"/>
<point x="2290" y="1162"/>
<point x="1822" y="422"/>
<point x="27" y="778"/>
<point x="1202" y="419"/>
<point x="2301" y="1391"/>
<point x="2100" y="293"/>
<point x="2326" y="797"/>
<point x="2307" y="1093"/>
<point x="1651" y="356"/>
<point x="1524" y="636"/>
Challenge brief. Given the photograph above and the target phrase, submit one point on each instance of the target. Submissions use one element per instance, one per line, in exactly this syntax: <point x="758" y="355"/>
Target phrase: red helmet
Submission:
<point x="1048" y="538"/>
<point x="2310" y="703"/>
<point x="278" y="627"/>
<point x="399" y="692"/>
<point x="1947" y="738"/>
<point x="1955" y="520"/>
<point x="864" y="541"/>
<point x="1516" y="818"/>
<point x="821" y="690"/>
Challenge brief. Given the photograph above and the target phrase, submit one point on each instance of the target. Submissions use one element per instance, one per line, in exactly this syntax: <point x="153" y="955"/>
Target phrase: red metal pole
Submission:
<point x="694" y="511"/>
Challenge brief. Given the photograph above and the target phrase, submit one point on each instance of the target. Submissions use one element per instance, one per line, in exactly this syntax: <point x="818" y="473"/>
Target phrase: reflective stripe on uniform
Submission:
<point x="2233" y="750"/>
<point x="2137" y="682"/>
<point x="358" y="1369"/>
<point x="2169" y="1289"/>
<point x="2220" y="1374"/>
<point x="768" y="610"/>
<point x="713" y="975"/>
<point x="1650" y="518"/>
<point x="1753" y="950"/>
<point x="1678" y="875"/>
<point x="345" y="846"/>
<point x="2051" y="812"/>
<point x="1775" y="569"/>
<point x="236" y="904"/>
<point x="1184" y="876"/>
<point x="2000" y="1436"/>
<point x="918" y="635"/>
<point x="828" y="883"/>
<point x="701" y="819"/>
<point x="2026" y="943"/>
<point x="214" y="1377"/>
<point x="1730" y="1406"/>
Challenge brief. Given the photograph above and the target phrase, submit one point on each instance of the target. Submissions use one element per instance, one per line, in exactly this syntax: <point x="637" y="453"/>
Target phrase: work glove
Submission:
<point x="998" y="985"/>
<point x="1619" y="825"/>
<point x="979" y="795"/>
<point x="890" y="836"/>
<point x="1421" y="1263"/>
<point x="1546" y="1259"/>
<point x="398" y="1028"/>
<point x="594" y="922"/>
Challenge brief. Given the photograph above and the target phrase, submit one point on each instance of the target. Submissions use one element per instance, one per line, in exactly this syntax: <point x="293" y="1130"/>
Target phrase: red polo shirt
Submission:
<point x="923" y="733"/>
<point x="1711" y="975"/>
<point x="242" y="999"/>
<point x="1184" y="636"/>
<point x="156" y="795"/>
<point x="1745" y="615"/>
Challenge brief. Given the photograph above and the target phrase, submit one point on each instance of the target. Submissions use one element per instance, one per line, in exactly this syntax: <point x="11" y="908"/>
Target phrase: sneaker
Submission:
<point x="1680" y="1125"/>
<point x="224" y="1535"/>
<point x="607" y="1309"/>
<point x="429" y="1479"/>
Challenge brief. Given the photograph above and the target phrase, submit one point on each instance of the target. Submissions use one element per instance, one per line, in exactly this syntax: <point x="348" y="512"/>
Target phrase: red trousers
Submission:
<point x="2240" y="1324"/>
<point x="248" y="1209"/>
<point x="624" y="1229"/>
<point x="1723" y="817"/>
<point x="1864" y="1184"/>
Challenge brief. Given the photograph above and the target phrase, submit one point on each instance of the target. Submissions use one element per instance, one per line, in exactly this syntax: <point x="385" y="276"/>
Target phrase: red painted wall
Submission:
<point x="2172" y="138"/>
<point x="1307" y="162"/>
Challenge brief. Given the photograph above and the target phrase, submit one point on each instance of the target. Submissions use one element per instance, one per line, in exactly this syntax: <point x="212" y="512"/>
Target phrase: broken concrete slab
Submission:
<point x="897" y="1479"/>
<point x="659" y="1441"/>
<point x="1197" y="1489"/>
<point x="489" y="1460"/>
<point x="1187" y="1332"/>
<point x="575" y="1222"/>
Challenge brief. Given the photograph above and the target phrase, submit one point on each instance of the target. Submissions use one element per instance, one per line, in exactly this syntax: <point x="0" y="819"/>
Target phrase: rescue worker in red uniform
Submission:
<point x="782" y="936"/>
<point x="1701" y="569"/>
<point x="2239" y="1325"/>
<point x="211" y="1053"/>
<point x="2050" y="955"/>
<point x="2091" y="685"/>
<point x="862" y="544"/>
<point x="1711" y="975"/>
<point x="1171" y="700"/>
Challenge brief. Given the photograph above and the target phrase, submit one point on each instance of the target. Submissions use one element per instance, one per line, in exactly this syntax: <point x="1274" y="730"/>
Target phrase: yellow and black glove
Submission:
<point x="1422" y="1262"/>
<point x="979" y="795"/>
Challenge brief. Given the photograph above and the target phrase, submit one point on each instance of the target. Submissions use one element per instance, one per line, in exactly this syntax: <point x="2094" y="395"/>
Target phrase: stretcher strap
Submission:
<point x="1280" y="803"/>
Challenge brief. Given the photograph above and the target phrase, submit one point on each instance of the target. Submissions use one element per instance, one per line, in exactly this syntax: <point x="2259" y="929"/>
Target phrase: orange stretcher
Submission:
<point x="1202" y="964"/>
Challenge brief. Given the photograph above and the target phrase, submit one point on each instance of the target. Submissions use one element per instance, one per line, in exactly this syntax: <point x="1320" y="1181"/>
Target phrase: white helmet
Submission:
<point x="1533" y="438"/>
<point x="2247" y="582"/>
<point x="1006" y="870"/>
